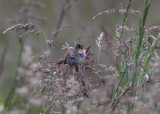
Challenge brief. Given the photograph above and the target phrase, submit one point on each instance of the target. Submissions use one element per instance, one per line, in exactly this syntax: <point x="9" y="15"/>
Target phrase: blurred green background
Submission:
<point x="81" y="29"/>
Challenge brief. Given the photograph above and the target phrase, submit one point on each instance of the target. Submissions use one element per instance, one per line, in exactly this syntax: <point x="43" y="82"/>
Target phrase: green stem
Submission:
<point x="113" y="96"/>
<point x="99" y="54"/>
<point x="10" y="97"/>
<point x="146" y="60"/>
<point x="140" y="39"/>
<point x="125" y="54"/>
<point x="125" y="19"/>
<point x="125" y="15"/>
<point x="3" y="57"/>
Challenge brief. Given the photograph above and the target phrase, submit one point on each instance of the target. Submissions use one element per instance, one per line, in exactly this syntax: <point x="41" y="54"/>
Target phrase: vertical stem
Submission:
<point x="125" y="18"/>
<point x="125" y="15"/>
<point x="9" y="100"/>
<point x="140" y="39"/>
<point x="98" y="55"/>
<point x="113" y="96"/>
<point x="125" y="54"/>
<point x="3" y="57"/>
<point x="146" y="60"/>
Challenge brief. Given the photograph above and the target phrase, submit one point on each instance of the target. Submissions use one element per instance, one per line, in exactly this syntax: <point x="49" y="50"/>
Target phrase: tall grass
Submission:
<point x="140" y="39"/>
<point x="50" y="87"/>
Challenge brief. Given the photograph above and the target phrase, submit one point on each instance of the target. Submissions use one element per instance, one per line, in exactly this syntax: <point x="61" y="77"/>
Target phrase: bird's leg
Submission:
<point x="76" y="68"/>
<point x="76" y="72"/>
<point x="62" y="61"/>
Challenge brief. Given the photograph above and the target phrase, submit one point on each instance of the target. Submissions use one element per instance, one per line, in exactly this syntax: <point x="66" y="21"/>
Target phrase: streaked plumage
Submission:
<point x="75" y="56"/>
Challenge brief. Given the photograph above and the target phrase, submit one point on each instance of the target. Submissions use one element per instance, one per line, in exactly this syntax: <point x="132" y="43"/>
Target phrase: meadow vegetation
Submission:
<point x="129" y="83"/>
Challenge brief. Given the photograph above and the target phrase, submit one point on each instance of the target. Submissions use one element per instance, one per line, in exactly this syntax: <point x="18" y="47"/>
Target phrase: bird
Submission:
<point x="75" y="56"/>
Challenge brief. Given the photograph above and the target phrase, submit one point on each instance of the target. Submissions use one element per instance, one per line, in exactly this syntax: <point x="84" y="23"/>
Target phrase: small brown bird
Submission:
<point x="75" y="56"/>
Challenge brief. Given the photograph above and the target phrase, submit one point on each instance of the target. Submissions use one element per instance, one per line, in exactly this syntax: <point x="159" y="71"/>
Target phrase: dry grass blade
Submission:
<point x="60" y="29"/>
<point x="104" y="12"/>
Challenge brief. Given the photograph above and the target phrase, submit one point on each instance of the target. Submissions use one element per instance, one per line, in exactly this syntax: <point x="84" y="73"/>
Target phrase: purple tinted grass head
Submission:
<point x="126" y="46"/>
<point x="135" y="12"/>
<point x="155" y="28"/>
<point x="110" y="11"/>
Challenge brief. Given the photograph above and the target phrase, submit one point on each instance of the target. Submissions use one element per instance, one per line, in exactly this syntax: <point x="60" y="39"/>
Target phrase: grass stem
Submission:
<point x="139" y="44"/>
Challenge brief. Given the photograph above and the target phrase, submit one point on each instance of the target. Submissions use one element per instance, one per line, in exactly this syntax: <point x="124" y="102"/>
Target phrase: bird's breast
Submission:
<point x="74" y="59"/>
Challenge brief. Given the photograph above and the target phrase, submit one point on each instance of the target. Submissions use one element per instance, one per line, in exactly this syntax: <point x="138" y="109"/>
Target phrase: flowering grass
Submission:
<point x="129" y="85"/>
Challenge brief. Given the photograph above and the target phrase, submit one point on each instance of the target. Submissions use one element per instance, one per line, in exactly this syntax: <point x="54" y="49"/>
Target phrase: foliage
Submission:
<point x="129" y="85"/>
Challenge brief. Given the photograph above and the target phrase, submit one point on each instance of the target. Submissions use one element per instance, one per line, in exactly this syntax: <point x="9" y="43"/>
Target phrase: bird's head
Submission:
<point x="79" y="47"/>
